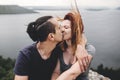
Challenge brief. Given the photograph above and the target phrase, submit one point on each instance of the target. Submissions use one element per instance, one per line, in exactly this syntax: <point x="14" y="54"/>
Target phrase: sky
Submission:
<point x="84" y="3"/>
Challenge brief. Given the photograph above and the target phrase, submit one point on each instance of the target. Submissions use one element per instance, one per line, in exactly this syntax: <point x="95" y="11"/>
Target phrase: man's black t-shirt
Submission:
<point x="29" y="63"/>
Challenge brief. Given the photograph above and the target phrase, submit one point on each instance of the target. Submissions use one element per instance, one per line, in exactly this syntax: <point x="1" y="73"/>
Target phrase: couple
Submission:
<point x="60" y="51"/>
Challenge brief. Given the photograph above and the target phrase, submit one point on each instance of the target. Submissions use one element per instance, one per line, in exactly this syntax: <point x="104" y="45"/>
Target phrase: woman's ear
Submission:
<point x="51" y="36"/>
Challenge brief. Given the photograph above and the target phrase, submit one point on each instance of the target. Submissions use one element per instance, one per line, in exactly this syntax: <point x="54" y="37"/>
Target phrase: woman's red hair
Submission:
<point x="77" y="29"/>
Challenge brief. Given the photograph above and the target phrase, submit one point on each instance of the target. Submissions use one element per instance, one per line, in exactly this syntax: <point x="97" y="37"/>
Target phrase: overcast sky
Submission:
<point x="85" y="3"/>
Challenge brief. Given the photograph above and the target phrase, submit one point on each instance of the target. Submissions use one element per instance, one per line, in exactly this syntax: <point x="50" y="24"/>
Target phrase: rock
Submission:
<point x="96" y="76"/>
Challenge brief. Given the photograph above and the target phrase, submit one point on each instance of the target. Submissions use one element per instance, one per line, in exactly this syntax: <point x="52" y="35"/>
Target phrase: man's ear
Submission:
<point x="51" y="36"/>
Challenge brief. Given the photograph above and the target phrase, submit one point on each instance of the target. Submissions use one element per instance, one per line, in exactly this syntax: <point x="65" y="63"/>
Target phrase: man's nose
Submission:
<point x="62" y="29"/>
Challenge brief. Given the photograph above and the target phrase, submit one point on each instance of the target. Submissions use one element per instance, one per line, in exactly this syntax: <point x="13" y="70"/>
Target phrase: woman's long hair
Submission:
<point x="77" y="29"/>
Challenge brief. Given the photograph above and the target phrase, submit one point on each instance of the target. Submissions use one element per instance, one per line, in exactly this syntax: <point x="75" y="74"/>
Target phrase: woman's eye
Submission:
<point x="66" y="27"/>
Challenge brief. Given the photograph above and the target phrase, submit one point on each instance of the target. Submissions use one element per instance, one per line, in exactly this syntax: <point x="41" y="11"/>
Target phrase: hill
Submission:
<point x="14" y="9"/>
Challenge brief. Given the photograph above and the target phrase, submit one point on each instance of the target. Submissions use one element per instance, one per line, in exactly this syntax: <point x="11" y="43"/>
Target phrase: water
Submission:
<point x="101" y="29"/>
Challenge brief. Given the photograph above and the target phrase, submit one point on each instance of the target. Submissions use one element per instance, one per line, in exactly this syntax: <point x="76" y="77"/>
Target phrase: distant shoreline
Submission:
<point x="14" y="9"/>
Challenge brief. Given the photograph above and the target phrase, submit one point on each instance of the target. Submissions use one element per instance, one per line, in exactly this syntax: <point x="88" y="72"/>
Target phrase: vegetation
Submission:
<point x="6" y="68"/>
<point x="108" y="72"/>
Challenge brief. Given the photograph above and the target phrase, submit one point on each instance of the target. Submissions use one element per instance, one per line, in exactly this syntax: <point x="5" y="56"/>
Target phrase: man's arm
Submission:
<point x="17" y="77"/>
<point x="21" y="67"/>
<point x="83" y="57"/>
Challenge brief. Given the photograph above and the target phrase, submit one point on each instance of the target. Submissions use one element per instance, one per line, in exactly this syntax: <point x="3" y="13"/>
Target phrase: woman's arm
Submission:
<point x="74" y="71"/>
<point x="71" y="73"/>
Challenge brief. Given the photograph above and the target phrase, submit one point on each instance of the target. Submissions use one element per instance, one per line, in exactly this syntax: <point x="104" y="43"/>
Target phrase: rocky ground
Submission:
<point x="96" y="76"/>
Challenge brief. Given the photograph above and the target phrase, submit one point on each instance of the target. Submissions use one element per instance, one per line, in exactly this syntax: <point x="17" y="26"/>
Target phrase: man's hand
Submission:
<point x="83" y="58"/>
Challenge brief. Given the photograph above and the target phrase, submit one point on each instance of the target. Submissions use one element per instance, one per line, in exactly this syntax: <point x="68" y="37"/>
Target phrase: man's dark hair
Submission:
<point x="39" y="30"/>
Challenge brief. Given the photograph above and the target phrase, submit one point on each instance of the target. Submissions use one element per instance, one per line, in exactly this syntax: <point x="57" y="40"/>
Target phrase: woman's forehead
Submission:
<point x="66" y="22"/>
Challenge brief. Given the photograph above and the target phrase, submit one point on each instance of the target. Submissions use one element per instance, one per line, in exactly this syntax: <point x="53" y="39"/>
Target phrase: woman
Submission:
<point x="74" y="45"/>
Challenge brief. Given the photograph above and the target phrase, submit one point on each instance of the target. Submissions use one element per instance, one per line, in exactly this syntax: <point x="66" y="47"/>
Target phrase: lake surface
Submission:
<point x="101" y="28"/>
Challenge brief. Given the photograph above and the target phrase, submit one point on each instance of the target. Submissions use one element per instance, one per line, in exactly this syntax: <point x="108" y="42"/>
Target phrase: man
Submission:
<point x="38" y="60"/>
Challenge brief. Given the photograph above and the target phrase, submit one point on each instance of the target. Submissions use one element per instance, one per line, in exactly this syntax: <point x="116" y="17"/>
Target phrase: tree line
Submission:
<point x="6" y="68"/>
<point x="113" y="74"/>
